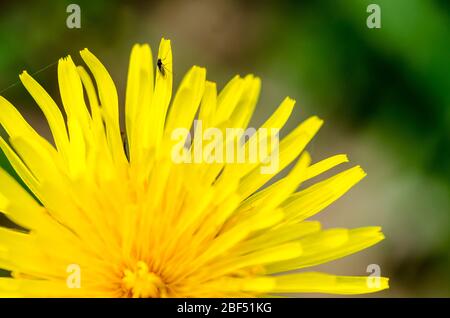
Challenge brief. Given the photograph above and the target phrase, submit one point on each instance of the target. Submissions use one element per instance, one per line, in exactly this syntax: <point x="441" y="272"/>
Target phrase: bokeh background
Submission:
<point x="384" y="94"/>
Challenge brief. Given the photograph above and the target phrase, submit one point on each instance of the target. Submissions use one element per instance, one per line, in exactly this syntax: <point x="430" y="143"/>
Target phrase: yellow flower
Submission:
<point x="108" y="222"/>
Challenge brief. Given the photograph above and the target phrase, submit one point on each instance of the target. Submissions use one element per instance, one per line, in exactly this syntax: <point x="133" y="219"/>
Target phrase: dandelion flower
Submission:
<point x="137" y="224"/>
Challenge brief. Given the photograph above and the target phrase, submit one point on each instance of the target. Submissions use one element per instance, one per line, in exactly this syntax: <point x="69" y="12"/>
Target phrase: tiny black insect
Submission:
<point x="161" y="67"/>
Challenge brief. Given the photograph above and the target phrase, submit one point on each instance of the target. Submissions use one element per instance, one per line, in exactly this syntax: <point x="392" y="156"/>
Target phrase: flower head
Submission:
<point x="105" y="220"/>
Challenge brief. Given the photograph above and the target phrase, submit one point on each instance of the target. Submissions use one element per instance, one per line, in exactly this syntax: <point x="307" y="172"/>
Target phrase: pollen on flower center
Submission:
<point x="142" y="283"/>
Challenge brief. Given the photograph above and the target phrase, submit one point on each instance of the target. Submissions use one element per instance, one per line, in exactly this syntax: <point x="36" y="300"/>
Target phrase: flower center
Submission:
<point x="143" y="283"/>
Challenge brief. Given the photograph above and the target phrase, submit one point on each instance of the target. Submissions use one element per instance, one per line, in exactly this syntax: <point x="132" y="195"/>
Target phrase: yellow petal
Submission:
<point x="51" y="112"/>
<point x="247" y="103"/>
<point x="187" y="100"/>
<point x="20" y="168"/>
<point x="314" y="199"/>
<point x="161" y="95"/>
<point x="208" y="105"/>
<point x="228" y="99"/>
<point x="138" y="98"/>
<point x="109" y="101"/>
<point x="277" y="236"/>
<point x="325" y="283"/>
<point x="71" y="91"/>
<point x="329" y="245"/>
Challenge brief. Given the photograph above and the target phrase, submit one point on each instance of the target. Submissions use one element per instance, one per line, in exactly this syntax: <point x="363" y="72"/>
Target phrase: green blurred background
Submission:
<point x="384" y="95"/>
